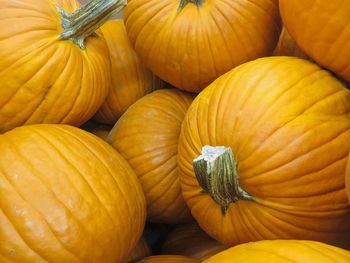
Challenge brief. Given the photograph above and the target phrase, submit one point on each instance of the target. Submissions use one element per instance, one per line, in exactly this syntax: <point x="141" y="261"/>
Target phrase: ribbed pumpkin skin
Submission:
<point x="169" y="259"/>
<point x="282" y="251"/>
<point x="43" y="78"/>
<point x="322" y="30"/>
<point x="147" y="136"/>
<point x="131" y="80"/>
<point x="66" y="196"/>
<point x="191" y="47"/>
<point x="190" y="240"/>
<point x="141" y="250"/>
<point x="288" y="124"/>
<point x="287" y="46"/>
<point x="347" y="177"/>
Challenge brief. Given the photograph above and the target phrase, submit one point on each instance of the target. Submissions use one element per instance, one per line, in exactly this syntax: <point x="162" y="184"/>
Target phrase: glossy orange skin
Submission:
<point x="288" y="124"/>
<point x="147" y="136"/>
<point x="190" y="240"/>
<point x="287" y="46"/>
<point x="282" y="251"/>
<point x="66" y="196"/>
<point x="169" y="259"/>
<point x="189" y="48"/>
<point x="131" y="80"/>
<point x="322" y="30"/>
<point x="45" y="79"/>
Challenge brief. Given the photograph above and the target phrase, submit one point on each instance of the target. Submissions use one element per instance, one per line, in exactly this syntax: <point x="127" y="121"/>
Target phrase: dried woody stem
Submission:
<point x="85" y="20"/>
<point x="216" y="172"/>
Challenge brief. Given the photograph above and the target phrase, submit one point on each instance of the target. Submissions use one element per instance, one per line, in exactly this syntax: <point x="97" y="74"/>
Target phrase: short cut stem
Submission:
<point x="83" y="22"/>
<point x="185" y="2"/>
<point x="216" y="172"/>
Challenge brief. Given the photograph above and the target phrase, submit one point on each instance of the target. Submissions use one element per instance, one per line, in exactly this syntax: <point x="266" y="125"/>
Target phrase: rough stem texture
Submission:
<point x="85" y="20"/>
<point x="185" y="2"/>
<point x="216" y="172"/>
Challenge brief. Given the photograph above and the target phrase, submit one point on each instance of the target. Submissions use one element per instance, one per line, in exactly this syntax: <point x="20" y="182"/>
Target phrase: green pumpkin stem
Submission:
<point x="185" y="2"/>
<point x="83" y="22"/>
<point x="216" y="172"/>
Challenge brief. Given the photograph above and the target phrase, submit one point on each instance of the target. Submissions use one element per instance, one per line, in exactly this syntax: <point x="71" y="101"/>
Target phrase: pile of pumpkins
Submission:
<point x="226" y="119"/>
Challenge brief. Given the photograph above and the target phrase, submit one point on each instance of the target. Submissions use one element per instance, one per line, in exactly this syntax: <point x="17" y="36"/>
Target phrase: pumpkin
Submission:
<point x="262" y="154"/>
<point x="287" y="46"/>
<point x="322" y="31"/>
<point x="169" y="259"/>
<point x="147" y="137"/>
<point x="189" y="43"/>
<point x="347" y="177"/>
<point x="66" y="196"/>
<point x="140" y="251"/>
<point x="282" y="251"/>
<point x="100" y="130"/>
<point x="190" y="240"/>
<point x="52" y="70"/>
<point x="130" y="79"/>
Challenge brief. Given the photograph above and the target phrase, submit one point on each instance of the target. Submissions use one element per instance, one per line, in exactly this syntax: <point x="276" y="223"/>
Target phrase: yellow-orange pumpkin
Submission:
<point x="347" y="177"/>
<point x="66" y="196"/>
<point x="322" y="30"/>
<point x="130" y="79"/>
<point x="169" y="259"/>
<point x="140" y="251"/>
<point x="189" y="43"/>
<point x="282" y="251"/>
<point x="287" y="122"/>
<point x="147" y="137"/>
<point x="287" y="46"/>
<point x="100" y="130"/>
<point x="190" y="240"/>
<point x="51" y="70"/>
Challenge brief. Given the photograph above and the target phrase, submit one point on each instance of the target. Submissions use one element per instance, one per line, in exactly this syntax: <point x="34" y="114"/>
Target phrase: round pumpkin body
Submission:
<point x="147" y="137"/>
<point x="190" y="240"/>
<point x="66" y="196"/>
<point x="191" y="43"/>
<point x="282" y="251"/>
<point x="287" y="46"/>
<point x="322" y="31"/>
<point x="130" y="79"/>
<point x="140" y="251"/>
<point x="44" y="78"/>
<point x="169" y="259"/>
<point x="287" y="122"/>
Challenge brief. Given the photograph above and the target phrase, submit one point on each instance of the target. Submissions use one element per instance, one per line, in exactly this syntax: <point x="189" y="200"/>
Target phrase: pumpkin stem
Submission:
<point x="216" y="172"/>
<point x="185" y="2"/>
<point x="85" y="20"/>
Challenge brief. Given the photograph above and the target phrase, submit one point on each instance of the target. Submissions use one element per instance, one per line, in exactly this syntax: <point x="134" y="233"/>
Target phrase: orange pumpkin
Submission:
<point x="140" y="251"/>
<point x="147" y="137"/>
<point x="282" y="251"/>
<point x="169" y="259"/>
<point x="322" y="30"/>
<point x="189" y="43"/>
<point x="100" y="130"/>
<point x="52" y="70"/>
<point x="130" y="79"/>
<point x="287" y="46"/>
<point x="347" y="177"/>
<point x="190" y="240"/>
<point x="66" y="196"/>
<point x="283" y="125"/>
